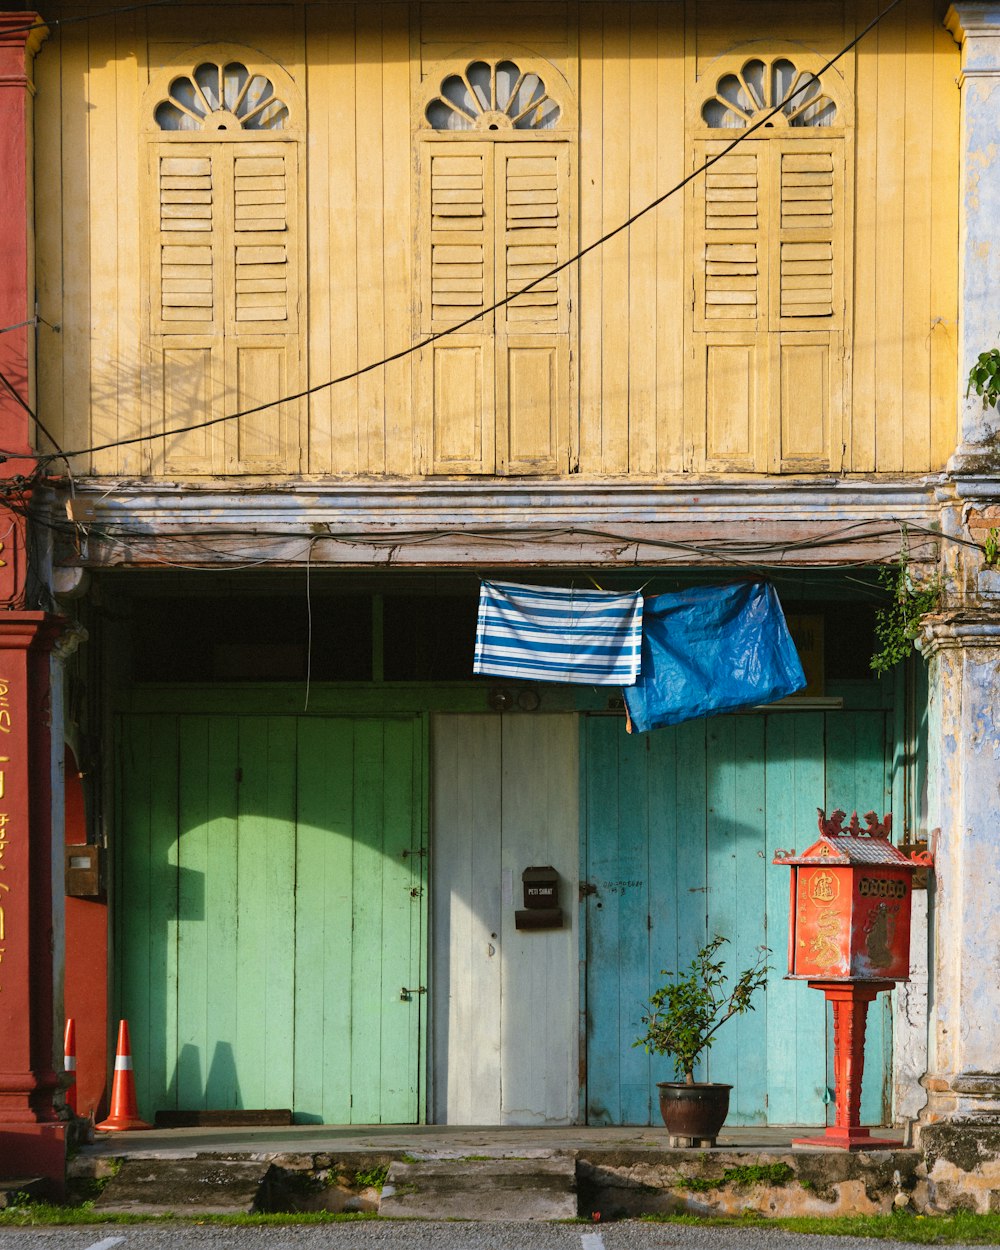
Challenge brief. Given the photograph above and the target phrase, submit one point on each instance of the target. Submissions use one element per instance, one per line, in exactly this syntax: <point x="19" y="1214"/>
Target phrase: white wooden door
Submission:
<point x="504" y="1007"/>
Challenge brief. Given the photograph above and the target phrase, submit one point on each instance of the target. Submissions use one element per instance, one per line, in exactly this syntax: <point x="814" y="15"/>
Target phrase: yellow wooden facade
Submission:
<point x="791" y="311"/>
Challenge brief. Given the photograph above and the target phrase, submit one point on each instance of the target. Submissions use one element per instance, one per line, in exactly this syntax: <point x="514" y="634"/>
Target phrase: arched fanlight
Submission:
<point x="493" y="95"/>
<point x="219" y="96"/>
<point x="745" y="96"/>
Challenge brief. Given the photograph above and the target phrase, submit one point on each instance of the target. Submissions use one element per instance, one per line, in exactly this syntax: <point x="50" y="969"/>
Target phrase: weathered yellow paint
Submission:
<point x="644" y="370"/>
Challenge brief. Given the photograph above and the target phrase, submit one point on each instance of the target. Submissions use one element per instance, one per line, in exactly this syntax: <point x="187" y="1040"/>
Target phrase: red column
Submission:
<point x="850" y="1001"/>
<point x="31" y="1138"/>
<point x="17" y="46"/>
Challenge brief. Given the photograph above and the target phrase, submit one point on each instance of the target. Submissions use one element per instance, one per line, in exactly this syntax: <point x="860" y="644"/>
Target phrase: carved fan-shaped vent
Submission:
<point x="221" y="97"/>
<point x="741" y="98"/>
<point x="495" y="95"/>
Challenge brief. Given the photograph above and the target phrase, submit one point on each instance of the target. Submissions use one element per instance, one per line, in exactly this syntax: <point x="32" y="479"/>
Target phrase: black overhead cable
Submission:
<point x="23" y="403"/>
<point x="743" y="135"/>
<point x="57" y="22"/>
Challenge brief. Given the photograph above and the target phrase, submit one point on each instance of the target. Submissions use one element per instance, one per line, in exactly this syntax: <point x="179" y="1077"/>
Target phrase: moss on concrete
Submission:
<point x="966" y="1146"/>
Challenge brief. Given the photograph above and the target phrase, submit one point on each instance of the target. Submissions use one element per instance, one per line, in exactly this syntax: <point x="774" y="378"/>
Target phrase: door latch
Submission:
<point x="406" y="996"/>
<point x="587" y="888"/>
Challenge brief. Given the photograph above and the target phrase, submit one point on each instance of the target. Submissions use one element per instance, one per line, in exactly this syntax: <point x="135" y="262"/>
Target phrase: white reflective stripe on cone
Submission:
<point x="123" y="1063"/>
<point x="69" y="1063"/>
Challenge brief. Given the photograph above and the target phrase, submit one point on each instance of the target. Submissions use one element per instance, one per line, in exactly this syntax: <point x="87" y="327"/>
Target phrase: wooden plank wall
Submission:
<point x="680" y="829"/>
<point x="504" y="1011"/>
<point x="637" y="69"/>
<point x="273" y="869"/>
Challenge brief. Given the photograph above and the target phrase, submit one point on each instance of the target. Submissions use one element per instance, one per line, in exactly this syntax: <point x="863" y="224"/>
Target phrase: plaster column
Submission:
<point x="959" y="1128"/>
<point x="32" y="1139"/>
<point x="975" y="24"/>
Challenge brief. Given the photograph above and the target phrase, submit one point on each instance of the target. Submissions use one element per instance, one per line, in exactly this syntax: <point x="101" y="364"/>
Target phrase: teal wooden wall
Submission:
<point x="679" y="831"/>
<point x="269" y="909"/>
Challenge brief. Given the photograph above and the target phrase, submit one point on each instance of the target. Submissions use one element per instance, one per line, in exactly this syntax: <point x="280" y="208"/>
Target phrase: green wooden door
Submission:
<point x="270" y="910"/>
<point x="680" y="828"/>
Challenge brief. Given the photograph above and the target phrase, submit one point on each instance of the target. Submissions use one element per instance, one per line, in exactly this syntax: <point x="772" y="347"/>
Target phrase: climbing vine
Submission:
<point x="897" y="624"/>
<point x="984" y="377"/>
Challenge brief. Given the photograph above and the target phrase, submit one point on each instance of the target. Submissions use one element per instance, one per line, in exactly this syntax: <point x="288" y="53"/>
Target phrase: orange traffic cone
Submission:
<point x="124" y="1109"/>
<point x="69" y="1063"/>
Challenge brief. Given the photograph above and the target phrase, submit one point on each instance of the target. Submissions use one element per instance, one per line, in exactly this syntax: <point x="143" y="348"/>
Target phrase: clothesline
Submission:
<point x="678" y="656"/>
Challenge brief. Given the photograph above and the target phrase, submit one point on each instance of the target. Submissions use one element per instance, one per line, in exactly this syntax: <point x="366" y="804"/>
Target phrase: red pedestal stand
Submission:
<point x="850" y="1001"/>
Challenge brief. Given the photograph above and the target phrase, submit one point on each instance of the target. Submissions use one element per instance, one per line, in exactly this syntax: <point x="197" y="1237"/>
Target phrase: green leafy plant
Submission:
<point x="371" y="1178"/>
<point x="683" y="1015"/>
<point x="739" y="1177"/>
<point x="897" y="624"/>
<point x="984" y="377"/>
<point x="991" y="546"/>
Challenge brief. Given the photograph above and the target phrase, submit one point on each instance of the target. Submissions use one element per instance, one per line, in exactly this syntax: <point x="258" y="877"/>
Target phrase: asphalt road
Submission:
<point x="407" y="1235"/>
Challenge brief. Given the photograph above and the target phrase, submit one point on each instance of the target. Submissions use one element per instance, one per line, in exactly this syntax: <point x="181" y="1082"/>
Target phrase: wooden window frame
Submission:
<point x="222" y="449"/>
<point x="494" y="441"/>
<point x="769" y="444"/>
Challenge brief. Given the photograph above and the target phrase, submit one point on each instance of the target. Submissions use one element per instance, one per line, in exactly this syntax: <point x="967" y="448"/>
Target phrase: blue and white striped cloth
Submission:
<point x="540" y="633"/>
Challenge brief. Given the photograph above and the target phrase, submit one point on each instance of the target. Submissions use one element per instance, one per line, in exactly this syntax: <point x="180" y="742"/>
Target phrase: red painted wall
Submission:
<point x="85" y="992"/>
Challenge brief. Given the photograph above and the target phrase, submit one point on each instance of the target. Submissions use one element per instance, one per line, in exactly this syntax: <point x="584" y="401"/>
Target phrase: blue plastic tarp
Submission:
<point x="712" y="649"/>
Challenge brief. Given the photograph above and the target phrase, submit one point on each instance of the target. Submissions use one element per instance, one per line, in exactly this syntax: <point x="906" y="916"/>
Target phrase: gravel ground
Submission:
<point x="412" y="1235"/>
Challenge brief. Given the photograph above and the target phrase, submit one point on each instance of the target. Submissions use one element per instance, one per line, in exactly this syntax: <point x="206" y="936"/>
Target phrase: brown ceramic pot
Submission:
<point x="697" y="1110"/>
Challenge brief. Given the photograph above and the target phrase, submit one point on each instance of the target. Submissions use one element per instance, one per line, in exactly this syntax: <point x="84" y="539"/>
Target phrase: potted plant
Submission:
<point x="681" y="1019"/>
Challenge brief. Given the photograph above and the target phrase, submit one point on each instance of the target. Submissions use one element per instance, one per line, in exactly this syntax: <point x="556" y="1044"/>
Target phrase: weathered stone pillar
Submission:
<point x="960" y="1125"/>
<point x="959" y="1129"/>
<point x="975" y="25"/>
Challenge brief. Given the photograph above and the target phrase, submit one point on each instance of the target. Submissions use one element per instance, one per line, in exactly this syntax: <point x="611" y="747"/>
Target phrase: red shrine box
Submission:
<point x="849" y="917"/>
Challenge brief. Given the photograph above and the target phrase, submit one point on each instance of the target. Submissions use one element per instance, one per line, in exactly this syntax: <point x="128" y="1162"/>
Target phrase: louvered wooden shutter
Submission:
<point x="262" y="254"/>
<point x="532" y="198"/>
<point x="809" y="191"/>
<point x="532" y="204"/>
<point x="186" y="297"/>
<point x="458" y="237"/>
<point x="768" y="296"/>
<point x="457" y="249"/>
<point x="731" y="240"/>
<point x="223" y="307"/>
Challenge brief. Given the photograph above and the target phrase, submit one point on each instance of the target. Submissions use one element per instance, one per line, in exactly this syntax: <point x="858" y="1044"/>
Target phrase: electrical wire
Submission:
<point x="34" y="416"/>
<point x="750" y="553"/>
<point x="20" y="325"/>
<point x="742" y="137"/>
<point x="57" y="23"/>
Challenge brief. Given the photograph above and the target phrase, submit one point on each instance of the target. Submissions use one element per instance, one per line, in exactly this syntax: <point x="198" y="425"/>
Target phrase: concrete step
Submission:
<point x="209" y="1185"/>
<point x="482" y="1189"/>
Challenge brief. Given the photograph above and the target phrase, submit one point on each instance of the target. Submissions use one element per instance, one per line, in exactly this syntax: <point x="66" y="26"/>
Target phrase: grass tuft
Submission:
<point x="959" y="1228"/>
<point x="372" y="1178"/>
<point x="751" y="1174"/>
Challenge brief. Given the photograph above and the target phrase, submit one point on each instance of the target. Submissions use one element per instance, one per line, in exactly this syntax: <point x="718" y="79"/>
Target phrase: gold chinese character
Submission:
<point x="823" y="887"/>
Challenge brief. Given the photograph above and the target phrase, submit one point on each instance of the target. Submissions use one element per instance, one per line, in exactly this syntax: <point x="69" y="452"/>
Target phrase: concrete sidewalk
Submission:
<point x="420" y="1170"/>
<point x="433" y="1140"/>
